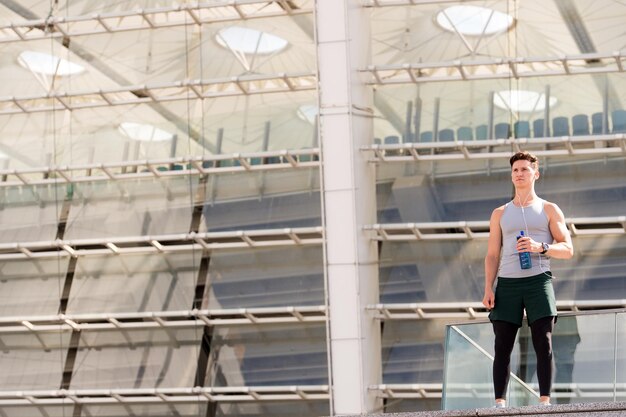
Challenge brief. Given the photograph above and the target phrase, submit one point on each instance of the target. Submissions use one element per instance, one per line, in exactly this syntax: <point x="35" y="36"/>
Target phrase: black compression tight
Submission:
<point x="541" y="331"/>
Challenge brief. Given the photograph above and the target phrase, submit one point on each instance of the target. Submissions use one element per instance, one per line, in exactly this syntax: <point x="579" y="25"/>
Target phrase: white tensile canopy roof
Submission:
<point x="147" y="54"/>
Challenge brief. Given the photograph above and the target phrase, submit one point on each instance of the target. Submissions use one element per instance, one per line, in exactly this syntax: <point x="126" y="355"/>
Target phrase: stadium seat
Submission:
<point x="426" y="137"/>
<point x="580" y="125"/>
<point x="408" y="138"/>
<point x="596" y="124"/>
<point x="560" y="126"/>
<point x="502" y="131"/>
<point x="464" y="133"/>
<point x="446" y="135"/>
<point x="538" y="127"/>
<point x="392" y="140"/>
<point x="619" y="121"/>
<point x="481" y="132"/>
<point x="521" y="129"/>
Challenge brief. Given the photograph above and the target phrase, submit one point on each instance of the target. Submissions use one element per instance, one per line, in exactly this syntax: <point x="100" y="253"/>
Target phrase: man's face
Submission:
<point x="523" y="173"/>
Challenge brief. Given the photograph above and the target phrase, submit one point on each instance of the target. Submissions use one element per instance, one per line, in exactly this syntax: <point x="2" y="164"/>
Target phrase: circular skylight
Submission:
<point x="48" y="64"/>
<point x="307" y="112"/>
<point x="522" y="100"/>
<point x="250" y="41"/>
<point x="144" y="132"/>
<point x="474" y="20"/>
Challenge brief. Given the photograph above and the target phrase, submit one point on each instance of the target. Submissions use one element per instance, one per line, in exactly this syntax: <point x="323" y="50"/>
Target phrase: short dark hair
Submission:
<point x="525" y="156"/>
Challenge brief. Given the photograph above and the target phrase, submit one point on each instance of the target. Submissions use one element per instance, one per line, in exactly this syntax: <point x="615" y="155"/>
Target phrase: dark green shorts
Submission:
<point x="513" y="295"/>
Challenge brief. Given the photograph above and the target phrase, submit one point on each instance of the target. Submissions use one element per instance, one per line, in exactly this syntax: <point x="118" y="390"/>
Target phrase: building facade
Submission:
<point x="274" y="207"/>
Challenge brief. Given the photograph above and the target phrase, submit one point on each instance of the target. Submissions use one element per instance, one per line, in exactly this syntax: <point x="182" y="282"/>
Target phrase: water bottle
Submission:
<point x="524" y="257"/>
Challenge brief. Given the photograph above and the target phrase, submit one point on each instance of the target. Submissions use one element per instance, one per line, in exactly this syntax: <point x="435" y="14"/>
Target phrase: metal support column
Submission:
<point x="349" y="202"/>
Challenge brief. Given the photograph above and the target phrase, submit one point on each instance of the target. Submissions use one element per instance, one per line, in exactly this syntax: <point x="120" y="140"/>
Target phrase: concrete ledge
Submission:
<point x="613" y="409"/>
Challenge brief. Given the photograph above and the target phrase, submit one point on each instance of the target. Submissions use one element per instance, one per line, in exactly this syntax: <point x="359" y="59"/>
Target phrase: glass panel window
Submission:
<point x="182" y="409"/>
<point x="140" y="358"/>
<point x="467" y="364"/>
<point x="32" y="287"/>
<point x="110" y="410"/>
<point x="262" y="200"/>
<point x="595" y="353"/>
<point x="412" y="351"/>
<point x="270" y="355"/>
<point x="453" y="270"/>
<point x="264" y="278"/>
<point x="433" y="271"/>
<point x="621" y="357"/>
<point x="30" y="213"/>
<point x="134" y="283"/>
<point x="453" y="191"/>
<point x="271" y="408"/>
<point x="32" y="361"/>
<point x="584" y="349"/>
<point x="500" y="108"/>
<point x="139" y="132"/>
<point x="131" y="208"/>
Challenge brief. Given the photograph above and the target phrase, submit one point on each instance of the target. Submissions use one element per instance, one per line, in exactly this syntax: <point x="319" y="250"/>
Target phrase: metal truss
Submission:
<point x="387" y="3"/>
<point x="406" y="232"/>
<point x="474" y="310"/>
<point x="485" y="390"/>
<point x="163" y="395"/>
<point x="407" y="390"/>
<point x="467" y="230"/>
<point x="152" y="18"/>
<point x="162" y="168"/>
<point x="596" y="145"/>
<point x="162" y="92"/>
<point x="426" y="311"/>
<point x="162" y="319"/>
<point x="496" y="68"/>
<point x="164" y="243"/>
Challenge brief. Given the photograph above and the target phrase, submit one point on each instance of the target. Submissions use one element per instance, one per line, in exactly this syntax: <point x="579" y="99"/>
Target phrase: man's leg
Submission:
<point x="541" y="330"/>
<point x="505" y="339"/>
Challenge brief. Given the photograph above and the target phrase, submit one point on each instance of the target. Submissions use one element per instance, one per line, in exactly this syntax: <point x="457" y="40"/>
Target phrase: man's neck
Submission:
<point x="524" y="197"/>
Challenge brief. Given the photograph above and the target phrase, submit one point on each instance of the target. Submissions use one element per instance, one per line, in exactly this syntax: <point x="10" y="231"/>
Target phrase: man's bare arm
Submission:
<point x="494" y="247"/>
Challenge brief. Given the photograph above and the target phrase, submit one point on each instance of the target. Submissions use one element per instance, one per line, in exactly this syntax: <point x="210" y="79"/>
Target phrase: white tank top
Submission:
<point x="536" y="226"/>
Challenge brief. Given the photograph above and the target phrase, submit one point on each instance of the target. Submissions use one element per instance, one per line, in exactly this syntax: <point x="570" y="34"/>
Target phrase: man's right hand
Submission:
<point x="489" y="300"/>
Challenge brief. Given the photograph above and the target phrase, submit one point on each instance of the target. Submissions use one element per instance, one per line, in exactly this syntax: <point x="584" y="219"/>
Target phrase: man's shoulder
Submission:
<point x="549" y="204"/>
<point x="497" y="212"/>
<point x="551" y="208"/>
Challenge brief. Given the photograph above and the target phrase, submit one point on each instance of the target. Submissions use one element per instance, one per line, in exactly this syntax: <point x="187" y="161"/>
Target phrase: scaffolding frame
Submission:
<point x="242" y="85"/>
<point x="496" y="68"/>
<point x="130" y="396"/>
<point x="468" y="230"/>
<point x="473" y="390"/>
<point x="591" y="145"/>
<point x="149" y="18"/>
<point x="163" y="319"/>
<point x="474" y="310"/>
<point x="391" y="3"/>
<point x="172" y="243"/>
<point x="162" y="168"/>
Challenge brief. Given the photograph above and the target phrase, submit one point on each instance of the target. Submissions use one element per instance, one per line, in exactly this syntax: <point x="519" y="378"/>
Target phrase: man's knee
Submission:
<point x="541" y="331"/>
<point x="505" y="337"/>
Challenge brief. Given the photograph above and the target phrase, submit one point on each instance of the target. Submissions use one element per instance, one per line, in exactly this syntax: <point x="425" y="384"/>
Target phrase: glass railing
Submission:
<point x="589" y="351"/>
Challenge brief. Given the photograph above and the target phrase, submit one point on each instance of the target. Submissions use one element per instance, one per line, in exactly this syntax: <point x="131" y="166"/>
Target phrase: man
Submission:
<point x="546" y="236"/>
